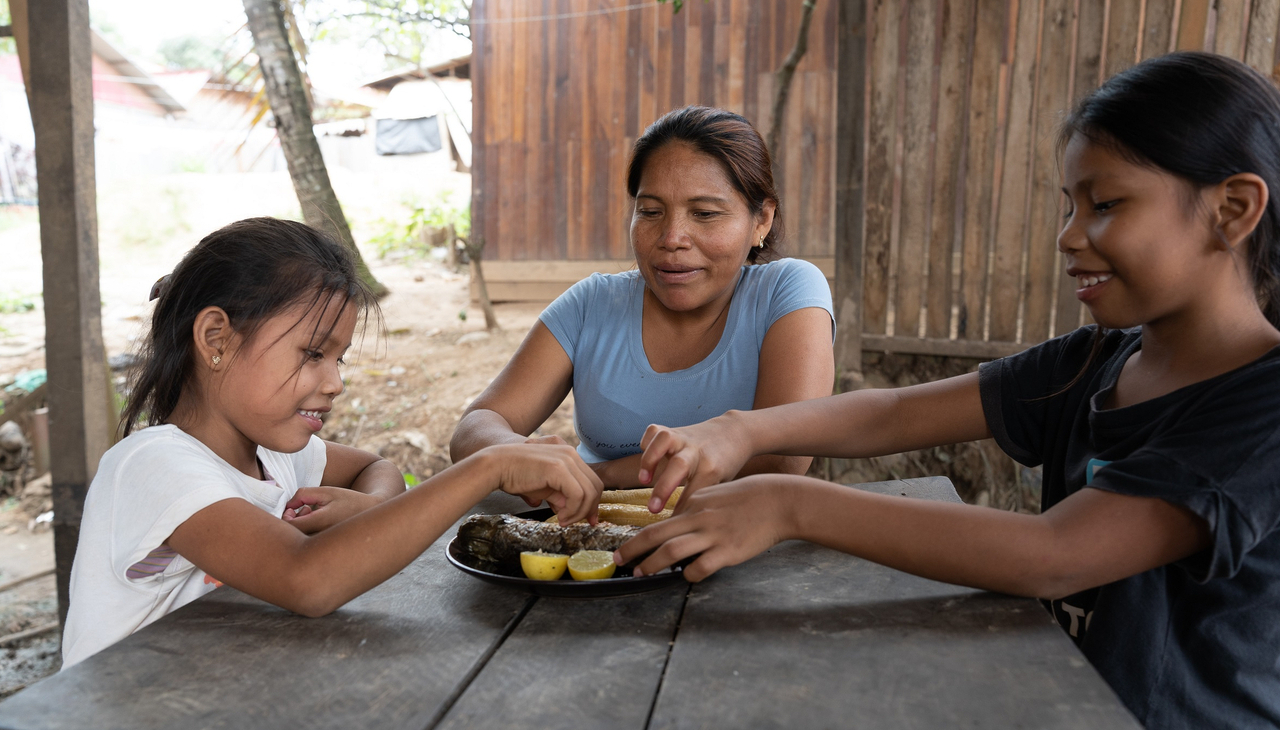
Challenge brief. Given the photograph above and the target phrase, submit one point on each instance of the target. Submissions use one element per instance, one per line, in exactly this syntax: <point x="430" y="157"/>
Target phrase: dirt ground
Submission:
<point x="405" y="389"/>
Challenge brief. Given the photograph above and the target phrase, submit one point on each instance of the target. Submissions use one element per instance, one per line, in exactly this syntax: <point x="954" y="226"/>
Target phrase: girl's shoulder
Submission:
<point x="165" y="446"/>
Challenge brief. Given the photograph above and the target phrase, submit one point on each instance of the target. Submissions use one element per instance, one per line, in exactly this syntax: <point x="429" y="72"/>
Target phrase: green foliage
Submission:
<point x="16" y="303"/>
<point x="405" y="29"/>
<point x="191" y="52"/>
<point x="411" y="481"/>
<point x="675" y="5"/>
<point x="423" y="228"/>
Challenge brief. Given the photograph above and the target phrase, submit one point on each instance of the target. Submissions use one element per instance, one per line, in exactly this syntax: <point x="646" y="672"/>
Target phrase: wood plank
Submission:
<point x="574" y="663"/>
<point x="634" y="22"/>
<point x="956" y="23"/>
<point x="1011" y="221"/>
<point x="1157" y="28"/>
<point x="1193" y="22"/>
<point x="1122" y="37"/>
<point x="1089" y="48"/>
<point x="850" y="190"/>
<point x="664" y="63"/>
<point x="940" y="347"/>
<point x="692" y="17"/>
<point x="883" y="24"/>
<point x="751" y="62"/>
<point x="808" y="637"/>
<point x="480" y="115"/>
<point x="61" y="94"/>
<point x="920" y="104"/>
<point x="1229" y="36"/>
<point x="373" y="649"/>
<point x="1260" y="48"/>
<point x="735" y="100"/>
<point x="981" y="155"/>
<point x="1052" y="96"/>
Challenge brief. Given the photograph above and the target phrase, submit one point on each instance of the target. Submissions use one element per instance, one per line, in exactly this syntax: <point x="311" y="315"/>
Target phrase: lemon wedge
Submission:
<point x="592" y="565"/>
<point x="543" y="566"/>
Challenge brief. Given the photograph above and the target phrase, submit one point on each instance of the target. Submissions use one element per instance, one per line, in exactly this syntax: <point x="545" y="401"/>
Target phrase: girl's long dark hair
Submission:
<point x="731" y="140"/>
<point x="1202" y="118"/>
<point x="253" y="269"/>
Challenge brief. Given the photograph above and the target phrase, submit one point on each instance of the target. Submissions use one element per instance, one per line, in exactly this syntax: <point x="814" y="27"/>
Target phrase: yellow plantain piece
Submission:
<point x="627" y="514"/>
<point x="637" y="496"/>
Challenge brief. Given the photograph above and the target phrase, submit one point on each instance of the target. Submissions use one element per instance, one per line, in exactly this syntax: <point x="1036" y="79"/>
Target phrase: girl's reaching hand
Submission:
<point x="313" y="509"/>
<point x="722" y="524"/>
<point x="550" y="472"/>
<point x="696" y="456"/>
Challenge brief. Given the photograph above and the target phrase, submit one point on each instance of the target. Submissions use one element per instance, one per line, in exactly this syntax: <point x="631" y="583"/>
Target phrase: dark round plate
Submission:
<point x="566" y="587"/>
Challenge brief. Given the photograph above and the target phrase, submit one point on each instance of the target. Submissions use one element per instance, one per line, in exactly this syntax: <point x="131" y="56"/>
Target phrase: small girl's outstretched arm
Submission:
<point x="353" y="482"/>
<point x="248" y="549"/>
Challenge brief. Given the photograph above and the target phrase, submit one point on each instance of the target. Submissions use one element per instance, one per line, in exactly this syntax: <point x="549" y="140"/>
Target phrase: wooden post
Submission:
<point x="61" y="93"/>
<point x="851" y="65"/>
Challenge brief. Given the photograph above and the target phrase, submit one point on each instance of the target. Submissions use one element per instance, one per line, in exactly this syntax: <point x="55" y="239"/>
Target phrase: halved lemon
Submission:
<point x="592" y="565"/>
<point x="543" y="566"/>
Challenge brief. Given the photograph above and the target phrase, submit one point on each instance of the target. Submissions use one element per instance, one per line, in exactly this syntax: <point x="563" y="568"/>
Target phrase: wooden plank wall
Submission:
<point x="563" y="88"/>
<point x="962" y="184"/>
<point x="963" y="99"/>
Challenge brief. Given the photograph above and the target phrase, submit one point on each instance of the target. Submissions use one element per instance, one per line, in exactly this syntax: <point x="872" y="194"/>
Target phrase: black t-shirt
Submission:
<point x="1195" y="643"/>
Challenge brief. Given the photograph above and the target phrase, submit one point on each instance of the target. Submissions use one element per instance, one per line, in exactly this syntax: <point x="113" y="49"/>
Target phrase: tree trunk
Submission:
<point x="475" y="252"/>
<point x="288" y="99"/>
<point x="782" y="79"/>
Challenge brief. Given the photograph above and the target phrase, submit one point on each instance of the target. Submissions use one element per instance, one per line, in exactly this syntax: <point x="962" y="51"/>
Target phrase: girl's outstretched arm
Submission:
<point x="859" y="424"/>
<point x="1091" y="538"/>
<point x="248" y="549"/>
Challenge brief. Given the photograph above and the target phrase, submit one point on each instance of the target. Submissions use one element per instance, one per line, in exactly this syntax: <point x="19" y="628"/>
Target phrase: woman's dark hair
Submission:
<point x="730" y="140"/>
<point x="1203" y="118"/>
<point x="253" y="269"/>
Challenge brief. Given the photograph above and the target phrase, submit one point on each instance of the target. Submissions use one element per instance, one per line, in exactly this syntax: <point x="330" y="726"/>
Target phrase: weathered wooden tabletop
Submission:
<point x="800" y="637"/>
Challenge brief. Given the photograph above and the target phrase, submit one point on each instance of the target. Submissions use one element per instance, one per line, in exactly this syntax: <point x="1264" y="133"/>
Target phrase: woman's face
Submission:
<point x="691" y="230"/>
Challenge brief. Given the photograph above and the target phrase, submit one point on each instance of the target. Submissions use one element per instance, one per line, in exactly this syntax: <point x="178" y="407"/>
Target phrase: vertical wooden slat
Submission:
<point x="917" y="163"/>
<point x="723" y="43"/>
<point x="61" y="94"/>
<point x="737" y="42"/>
<point x="1052" y="95"/>
<point x="615" y="226"/>
<point x="1260" y="48"/>
<point x="1228" y="38"/>
<point x="537" y="165"/>
<point x="980" y="162"/>
<point x="850" y="144"/>
<point x="1011" y="221"/>
<point x="883" y="22"/>
<point x="482" y="54"/>
<point x="563" y="127"/>
<point x="955" y="19"/>
<point x="691" y="18"/>
<point x="1193" y="23"/>
<point x="632" y="21"/>
<point x="1157" y="31"/>
<point x="1122" y="37"/>
<point x="663" y="61"/>
<point x="648" y="67"/>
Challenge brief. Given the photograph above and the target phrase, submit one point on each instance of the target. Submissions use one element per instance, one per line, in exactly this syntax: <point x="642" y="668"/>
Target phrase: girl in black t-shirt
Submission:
<point x="1159" y="429"/>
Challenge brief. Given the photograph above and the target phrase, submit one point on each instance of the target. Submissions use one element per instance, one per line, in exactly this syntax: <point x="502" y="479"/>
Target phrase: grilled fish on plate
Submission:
<point x="496" y="541"/>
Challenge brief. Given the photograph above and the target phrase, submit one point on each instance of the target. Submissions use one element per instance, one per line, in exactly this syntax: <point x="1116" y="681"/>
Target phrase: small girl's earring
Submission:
<point x="217" y="359"/>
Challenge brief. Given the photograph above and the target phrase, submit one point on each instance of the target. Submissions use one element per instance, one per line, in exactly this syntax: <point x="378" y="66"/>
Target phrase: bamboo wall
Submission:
<point x="963" y="98"/>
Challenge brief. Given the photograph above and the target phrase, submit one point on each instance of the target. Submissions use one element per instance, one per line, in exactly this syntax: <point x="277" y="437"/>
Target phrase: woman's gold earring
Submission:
<point x="760" y="243"/>
<point x="217" y="359"/>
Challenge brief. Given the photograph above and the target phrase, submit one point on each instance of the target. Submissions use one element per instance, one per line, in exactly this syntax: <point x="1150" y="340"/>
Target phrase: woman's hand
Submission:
<point x="726" y="523"/>
<point x="551" y="472"/>
<point x="695" y="456"/>
<point x="313" y="509"/>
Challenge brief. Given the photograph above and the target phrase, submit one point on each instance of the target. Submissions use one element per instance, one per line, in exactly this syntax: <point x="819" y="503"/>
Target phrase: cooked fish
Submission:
<point x="499" y="539"/>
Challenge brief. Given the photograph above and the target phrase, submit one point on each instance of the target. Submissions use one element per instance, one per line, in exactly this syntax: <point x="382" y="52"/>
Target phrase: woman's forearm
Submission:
<point x="478" y="429"/>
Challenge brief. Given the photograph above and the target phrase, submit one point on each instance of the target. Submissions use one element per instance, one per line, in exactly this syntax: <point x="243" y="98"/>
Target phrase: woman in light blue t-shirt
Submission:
<point x="701" y="326"/>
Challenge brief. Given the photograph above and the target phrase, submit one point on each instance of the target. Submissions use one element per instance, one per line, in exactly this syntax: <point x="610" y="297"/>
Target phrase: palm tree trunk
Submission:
<point x="287" y="96"/>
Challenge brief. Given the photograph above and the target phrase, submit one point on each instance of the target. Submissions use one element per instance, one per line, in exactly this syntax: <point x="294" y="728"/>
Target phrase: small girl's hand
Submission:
<point x="727" y="523"/>
<point x="554" y="473"/>
<point x="313" y="509"/>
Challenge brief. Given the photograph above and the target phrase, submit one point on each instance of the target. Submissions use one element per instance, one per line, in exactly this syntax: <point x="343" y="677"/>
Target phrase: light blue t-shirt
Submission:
<point x="615" y="391"/>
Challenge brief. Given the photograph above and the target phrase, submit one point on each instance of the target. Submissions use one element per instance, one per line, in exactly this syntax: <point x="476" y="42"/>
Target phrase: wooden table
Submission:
<point x="800" y="637"/>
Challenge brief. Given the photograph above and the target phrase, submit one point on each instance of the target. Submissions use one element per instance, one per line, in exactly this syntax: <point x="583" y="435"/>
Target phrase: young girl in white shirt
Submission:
<point x="228" y="481"/>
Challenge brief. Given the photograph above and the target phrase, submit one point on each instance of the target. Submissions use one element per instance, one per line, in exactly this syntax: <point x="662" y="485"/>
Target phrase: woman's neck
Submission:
<point x="679" y="340"/>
